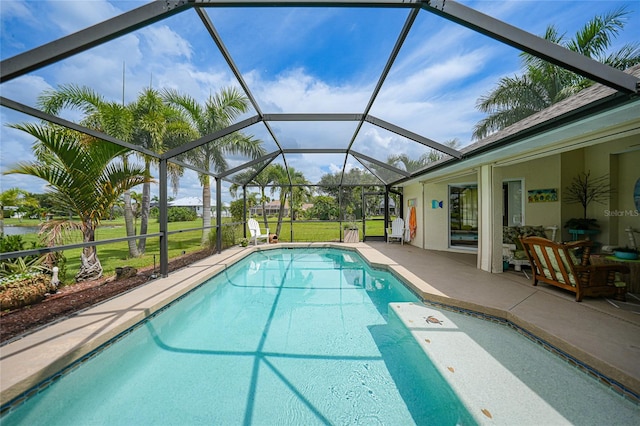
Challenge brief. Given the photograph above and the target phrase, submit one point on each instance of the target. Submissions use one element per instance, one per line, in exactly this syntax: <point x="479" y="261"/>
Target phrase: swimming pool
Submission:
<point x="314" y="336"/>
<point x="283" y="337"/>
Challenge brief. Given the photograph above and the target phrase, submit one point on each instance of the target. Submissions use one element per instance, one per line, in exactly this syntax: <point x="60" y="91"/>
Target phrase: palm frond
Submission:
<point x="70" y="96"/>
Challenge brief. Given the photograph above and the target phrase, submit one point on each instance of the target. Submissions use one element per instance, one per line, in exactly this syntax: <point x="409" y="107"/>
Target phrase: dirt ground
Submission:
<point x="76" y="297"/>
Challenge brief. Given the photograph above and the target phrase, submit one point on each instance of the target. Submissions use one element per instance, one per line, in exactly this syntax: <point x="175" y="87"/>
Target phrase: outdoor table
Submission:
<point x="632" y="279"/>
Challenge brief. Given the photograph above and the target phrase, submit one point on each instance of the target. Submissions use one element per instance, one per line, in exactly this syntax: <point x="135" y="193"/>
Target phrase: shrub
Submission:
<point x="229" y="234"/>
<point x="11" y="243"/>
<point x="26" y="291"/>
<point x="154" y="213"/>
<point x="236" y="209"/>
<point x="181" y="214"/>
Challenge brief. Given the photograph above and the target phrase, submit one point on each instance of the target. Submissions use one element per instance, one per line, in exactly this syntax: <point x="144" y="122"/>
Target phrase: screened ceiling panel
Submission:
<point x="312" y="58"/>
<point x="34" y="23"/>
<point x="436" y="54"/>
<point x="406" y="66"/>
<point x="356" y="173"/>
<point x="315" y="166"/>
<point x="222" y="155"/>
<point x="384" y="174"/>
<point x="261" y="132"/>
<point x="314" y="134"/>
<point x="391" y="148"/>
<point x="247" y="174"/>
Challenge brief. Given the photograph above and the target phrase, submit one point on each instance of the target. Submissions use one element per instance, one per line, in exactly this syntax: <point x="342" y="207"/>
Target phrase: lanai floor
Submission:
<point x="596" y="332"/>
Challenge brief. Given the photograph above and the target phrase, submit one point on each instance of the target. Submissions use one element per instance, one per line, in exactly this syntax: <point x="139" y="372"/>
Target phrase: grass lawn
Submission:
<point x="116" y="254"/>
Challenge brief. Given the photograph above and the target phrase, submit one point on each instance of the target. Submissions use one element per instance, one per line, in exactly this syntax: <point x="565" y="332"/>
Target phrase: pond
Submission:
<point x="20" y="230"/>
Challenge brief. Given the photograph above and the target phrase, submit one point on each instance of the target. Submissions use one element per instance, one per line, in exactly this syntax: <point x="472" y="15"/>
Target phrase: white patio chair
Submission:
<point x="254" y="230"/>
<point x="396" y="231"/>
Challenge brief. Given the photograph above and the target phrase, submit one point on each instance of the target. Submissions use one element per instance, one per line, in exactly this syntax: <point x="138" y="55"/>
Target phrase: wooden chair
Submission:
<point x="254" y="230"/>
<point x="556" y="264"/>
<point x="396" y="231"/>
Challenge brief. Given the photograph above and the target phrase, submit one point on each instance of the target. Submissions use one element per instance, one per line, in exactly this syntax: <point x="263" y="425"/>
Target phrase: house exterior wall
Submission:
<point x="436" y="220"/>
<point x="415" y="192"/>
<point x="623" y="167"/>
<point x="627" y="213"/>
<point x="541" y="173"/>
<point x="603" y="144"/>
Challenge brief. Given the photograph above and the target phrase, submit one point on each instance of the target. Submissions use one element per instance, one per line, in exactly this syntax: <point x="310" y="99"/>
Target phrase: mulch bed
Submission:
<point x="76" y="297"/>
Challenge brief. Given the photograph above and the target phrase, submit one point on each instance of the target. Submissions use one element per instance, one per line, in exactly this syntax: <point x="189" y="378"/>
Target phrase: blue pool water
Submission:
<point x="294" y="337"/>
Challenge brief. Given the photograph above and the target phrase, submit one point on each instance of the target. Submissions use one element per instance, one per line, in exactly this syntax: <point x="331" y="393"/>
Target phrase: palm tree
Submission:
<point x="217" y="113"/>
<point x="83" y="176"/>
<point x="147" y="122"/>
<point x="260" y="180"/>
<point x="109" y="117"/>
<point x="544" y="84"/>
<point x="281" y="178"/>
<point x="157" y="126"/>
<point x="411" y="164"/>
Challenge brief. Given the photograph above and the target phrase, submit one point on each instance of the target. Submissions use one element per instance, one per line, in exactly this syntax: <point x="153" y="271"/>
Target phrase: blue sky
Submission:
<point x="294" y="60"/>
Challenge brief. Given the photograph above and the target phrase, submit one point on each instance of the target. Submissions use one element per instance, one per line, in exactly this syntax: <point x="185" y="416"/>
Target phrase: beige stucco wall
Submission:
<point x="542" y="173"/>
<point x="627" y="214"/>
<point x="436" y="236"/>
<point x="623" y="168"/>
<point x="619" y="159"/>
<point x="415" y="192"/>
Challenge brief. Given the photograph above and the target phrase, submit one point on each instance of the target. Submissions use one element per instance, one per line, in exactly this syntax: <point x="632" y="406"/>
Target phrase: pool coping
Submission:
<point x="31" y="362"/>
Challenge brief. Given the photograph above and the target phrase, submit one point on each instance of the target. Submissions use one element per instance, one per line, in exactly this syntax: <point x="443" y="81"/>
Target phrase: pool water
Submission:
<point x="285" y="336"/>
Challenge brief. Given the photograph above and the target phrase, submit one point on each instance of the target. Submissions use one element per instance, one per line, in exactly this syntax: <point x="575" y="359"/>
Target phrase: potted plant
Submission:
<point x="626" y="253"/>
<point x="585" y="190"/>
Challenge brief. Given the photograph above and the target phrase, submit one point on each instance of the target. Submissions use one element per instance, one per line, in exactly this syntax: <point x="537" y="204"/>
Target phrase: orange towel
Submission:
<point x="413" y="225"/>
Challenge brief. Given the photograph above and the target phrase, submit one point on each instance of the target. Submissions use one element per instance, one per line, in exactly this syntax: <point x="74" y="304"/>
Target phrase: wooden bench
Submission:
<point x="558" y="265"/>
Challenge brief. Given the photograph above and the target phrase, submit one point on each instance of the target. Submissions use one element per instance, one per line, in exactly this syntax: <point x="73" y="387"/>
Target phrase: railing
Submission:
<point x="232" y="233"/>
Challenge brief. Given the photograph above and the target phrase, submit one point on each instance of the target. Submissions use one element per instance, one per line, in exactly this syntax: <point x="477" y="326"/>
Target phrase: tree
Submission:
<point x="261" y="180"/>
<point x="83" y="176"/>
<point x="147" y="122"/>
<point x="411" y="164"/>
<point x="217" y="113"/>
<point x="543" y="84"/>
<point x="324" y="208"/>
<point x="14" y="197"/>
<point x="157" y="126"/>
<point x="350" y="195"/>
<point x="109" y="117"/>
<point x="281" y="179"/>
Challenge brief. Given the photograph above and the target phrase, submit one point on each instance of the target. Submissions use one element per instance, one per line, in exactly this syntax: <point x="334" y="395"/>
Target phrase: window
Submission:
<point x="512" y="205"/>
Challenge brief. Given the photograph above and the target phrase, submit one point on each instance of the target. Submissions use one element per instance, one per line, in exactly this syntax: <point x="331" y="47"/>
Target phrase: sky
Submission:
<point x="294" y="60"/>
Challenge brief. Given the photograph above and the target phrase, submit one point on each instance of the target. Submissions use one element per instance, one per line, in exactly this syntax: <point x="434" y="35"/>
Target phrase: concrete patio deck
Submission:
<point x="594" y="332"/>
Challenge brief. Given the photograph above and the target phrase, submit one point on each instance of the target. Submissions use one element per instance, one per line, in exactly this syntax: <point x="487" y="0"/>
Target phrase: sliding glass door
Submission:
<point x="463" y="216"/>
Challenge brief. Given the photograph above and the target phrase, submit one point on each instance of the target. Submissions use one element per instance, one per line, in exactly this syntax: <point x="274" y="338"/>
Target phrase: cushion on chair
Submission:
<point x="546" y="270"/>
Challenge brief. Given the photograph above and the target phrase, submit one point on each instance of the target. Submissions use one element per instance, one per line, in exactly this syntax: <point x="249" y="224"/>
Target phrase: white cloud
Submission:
<point x="17" y="10"/>
<point x="298" y="92"/>
<point x="164" y="42"/>
<point x="432" y="88"/>
<point x="72" y="16"/>
<point x="25" y="89"/>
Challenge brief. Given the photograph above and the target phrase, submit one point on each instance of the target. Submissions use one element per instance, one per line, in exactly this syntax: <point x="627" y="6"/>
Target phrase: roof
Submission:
<point x="589" y="96"/>
<point x="186" y="202"/>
